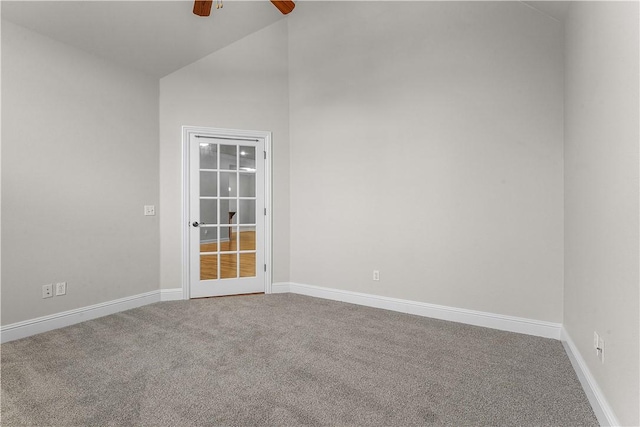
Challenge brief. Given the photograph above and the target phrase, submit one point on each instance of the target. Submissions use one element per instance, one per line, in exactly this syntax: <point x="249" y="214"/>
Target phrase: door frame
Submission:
<point x="187" y="131"/>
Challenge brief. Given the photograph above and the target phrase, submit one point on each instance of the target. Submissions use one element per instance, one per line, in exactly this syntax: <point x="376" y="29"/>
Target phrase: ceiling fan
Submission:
<point x="203" y="7"/>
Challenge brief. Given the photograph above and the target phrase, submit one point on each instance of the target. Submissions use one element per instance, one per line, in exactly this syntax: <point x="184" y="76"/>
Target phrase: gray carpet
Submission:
<point x="286" y="360"/>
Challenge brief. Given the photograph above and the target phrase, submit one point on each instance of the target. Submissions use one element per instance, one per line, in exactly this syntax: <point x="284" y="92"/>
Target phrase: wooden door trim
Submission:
<point x="187" y="131"/>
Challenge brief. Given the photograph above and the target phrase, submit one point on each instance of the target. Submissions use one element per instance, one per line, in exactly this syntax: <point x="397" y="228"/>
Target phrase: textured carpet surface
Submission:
<point x="286" y="360"/>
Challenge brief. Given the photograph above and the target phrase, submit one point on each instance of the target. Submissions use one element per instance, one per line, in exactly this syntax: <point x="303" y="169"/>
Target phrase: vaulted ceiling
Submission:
<point x="157" y="37"/>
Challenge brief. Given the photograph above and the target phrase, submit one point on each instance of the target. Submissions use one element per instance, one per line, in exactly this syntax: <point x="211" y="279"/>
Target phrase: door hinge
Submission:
<point x="265" y="211"/>
<point x="265" y="267"/>
<point x="265" y="155"/>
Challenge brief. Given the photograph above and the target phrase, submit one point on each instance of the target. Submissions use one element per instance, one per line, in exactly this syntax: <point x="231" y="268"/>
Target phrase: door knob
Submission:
<point x="196" y="224"/>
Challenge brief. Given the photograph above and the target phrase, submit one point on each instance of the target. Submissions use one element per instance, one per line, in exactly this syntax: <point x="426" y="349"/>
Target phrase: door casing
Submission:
<point x="187" y="131"/>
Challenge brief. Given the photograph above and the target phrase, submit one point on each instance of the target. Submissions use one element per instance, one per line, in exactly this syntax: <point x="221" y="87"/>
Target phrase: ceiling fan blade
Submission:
<point x="202" y="7"/>
<point x="284" y="6"/>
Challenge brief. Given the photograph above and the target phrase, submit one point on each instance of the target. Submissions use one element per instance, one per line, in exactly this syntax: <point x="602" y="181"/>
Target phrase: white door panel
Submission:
<point x="226" y="214"/>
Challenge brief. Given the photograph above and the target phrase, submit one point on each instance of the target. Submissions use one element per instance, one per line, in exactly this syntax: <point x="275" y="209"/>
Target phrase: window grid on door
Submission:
<point x="243" y="198"/>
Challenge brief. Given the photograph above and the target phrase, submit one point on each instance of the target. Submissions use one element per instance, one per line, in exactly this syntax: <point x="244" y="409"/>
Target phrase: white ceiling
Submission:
<point x="157" y="37"/>
<point x="160" y="37"/>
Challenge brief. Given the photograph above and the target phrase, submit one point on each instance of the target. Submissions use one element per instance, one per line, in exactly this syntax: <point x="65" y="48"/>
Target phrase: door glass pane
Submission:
<point x="228" y="266"/>
<point x="208" y="267"/>
<point x="247" y="211"/>
<point x="228" y="185"/>
<point x="208" y="156"/>
<point x="233" y="239"/>
<point x="224" y="212"/>
<point x="247" y="239"/>
<point x="228" y="157"/>
<point x="227" y="236"/>
<point x="209" y="184"/>
<point x="209" y="211"/>
<point x="248" y="265"/>
<point x="231" y="212"/>
<point x="247" y="158"/>
<point x="247" y="185"/>
<point x="208" y="239"/>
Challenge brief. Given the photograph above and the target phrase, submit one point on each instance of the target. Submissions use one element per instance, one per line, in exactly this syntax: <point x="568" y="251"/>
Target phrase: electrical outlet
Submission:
<point x="61" y="288"/>
<point x="376" y="275"/>
<point x="149" y="210"/>
<point x="601" y="349"/>
<point x="47" y="290"/>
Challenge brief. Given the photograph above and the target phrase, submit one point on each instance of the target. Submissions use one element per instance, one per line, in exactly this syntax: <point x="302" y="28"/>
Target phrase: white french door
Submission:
<point x="226" y="212"/>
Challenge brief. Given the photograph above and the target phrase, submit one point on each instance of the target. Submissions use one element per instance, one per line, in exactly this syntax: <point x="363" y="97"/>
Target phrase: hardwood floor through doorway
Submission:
<point x="228" y="262"/>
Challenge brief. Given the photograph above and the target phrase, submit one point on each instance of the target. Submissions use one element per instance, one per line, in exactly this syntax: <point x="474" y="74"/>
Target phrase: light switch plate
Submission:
<point x="149" y="210"/>
<point x="61" y="288"/>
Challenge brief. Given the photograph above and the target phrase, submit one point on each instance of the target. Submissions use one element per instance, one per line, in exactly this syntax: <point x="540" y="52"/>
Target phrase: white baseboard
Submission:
<point x="171" y="294"/>
<point x="280" y="287"/>
<point x="600" y="405"/>
<point x="30" y="327"/>
<point x="471" y="317"/>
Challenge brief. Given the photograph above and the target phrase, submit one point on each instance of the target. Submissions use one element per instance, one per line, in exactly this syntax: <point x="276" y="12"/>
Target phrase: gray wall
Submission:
<point x="80" y="159"/>
<point x="243" y="86"/>
<point x="426" y="142"/>
<point x="601" y="195"/>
